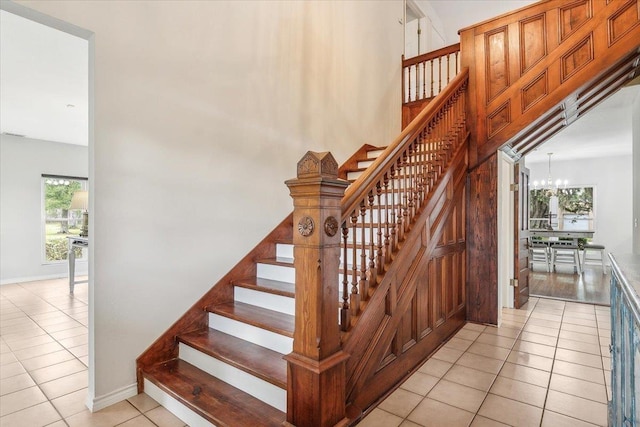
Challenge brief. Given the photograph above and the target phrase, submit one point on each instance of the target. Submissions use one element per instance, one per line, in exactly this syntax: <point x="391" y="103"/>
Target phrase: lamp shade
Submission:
<point x="80" y="200"/>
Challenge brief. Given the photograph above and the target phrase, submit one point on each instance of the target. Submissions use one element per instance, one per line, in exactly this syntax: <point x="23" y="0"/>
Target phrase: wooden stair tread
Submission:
<point x="270" y="320"/>
<point x="254" y="359"/>
<point x="276" y="287"/>
<point x="281" y="261"/>
<point x="213" y="399"/>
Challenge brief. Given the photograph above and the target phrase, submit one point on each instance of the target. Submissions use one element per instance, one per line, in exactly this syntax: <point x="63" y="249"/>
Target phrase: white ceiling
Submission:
<point x="603" y="131"/>
<point x="43" y="82"/>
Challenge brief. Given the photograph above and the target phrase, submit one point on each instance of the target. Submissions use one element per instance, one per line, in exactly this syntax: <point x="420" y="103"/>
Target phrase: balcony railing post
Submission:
<point x="316" y="368"/>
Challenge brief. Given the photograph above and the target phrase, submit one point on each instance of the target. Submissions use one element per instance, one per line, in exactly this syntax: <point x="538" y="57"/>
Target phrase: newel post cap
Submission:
<point x="321" y="165"/>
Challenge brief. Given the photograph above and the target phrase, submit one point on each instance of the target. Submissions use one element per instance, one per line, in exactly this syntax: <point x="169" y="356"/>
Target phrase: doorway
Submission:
<point x="75" y="45"/>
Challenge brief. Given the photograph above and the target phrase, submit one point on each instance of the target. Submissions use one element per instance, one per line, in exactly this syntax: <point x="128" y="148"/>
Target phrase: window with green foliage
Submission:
<point x="58" y="220"/>
<point x="568" y="209"/>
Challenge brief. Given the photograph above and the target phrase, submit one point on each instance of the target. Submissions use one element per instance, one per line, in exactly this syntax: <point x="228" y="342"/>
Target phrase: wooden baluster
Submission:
<point x="431" y="94"/>
<point x="439" y="74"/>
<point x="417" y="81"/>
<point x="457" y="63"/>
<point x="412" y="184"/>
<point x="405" y="194"/>
<point x="372" y="243"/>
<point x="401" y="201"/>
<point x="418" y="172"/>
<point x="363" y="251"/>
<point x="449" y="129"/>
<point x="448" y="69"/>
<point x="379" y="262"/>
<point x="424" y="80"/>
<point x="409" y="84"/>
<point x="345" y="320"/>
<point x="414" y="178"/>
<point x="394" y="236"/>
<point x="442" y="152"/>
<point x="354" y="297"/>
<point x="387" y="228"/>
<point x="421" y="168"/>
<point x="431" y="166"/>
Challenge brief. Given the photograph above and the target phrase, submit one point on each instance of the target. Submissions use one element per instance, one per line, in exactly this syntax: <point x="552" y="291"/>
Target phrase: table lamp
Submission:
<point x="80" y="200"/>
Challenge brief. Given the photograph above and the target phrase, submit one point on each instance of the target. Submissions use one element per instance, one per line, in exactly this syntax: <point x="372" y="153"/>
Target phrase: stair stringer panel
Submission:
<point x="419" y="303"/>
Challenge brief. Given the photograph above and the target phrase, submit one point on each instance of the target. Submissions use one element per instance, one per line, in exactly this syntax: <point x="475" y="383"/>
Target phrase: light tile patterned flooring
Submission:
<point x="547" y="365"/>
<point x="43" y="363"/>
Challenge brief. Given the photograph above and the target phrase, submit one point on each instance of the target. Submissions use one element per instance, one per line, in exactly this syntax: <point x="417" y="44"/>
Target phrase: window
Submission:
<point x="58" y="220"/>
<point x="570" y="208"/>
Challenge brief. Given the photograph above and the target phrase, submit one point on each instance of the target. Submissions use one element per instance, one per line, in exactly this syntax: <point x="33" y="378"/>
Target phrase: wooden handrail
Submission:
<point x="444" y="51"/>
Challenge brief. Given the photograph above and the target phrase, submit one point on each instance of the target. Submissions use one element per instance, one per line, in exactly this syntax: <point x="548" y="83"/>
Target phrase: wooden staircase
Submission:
<point x="232" y="372"/>
<point x="419" y="215"/>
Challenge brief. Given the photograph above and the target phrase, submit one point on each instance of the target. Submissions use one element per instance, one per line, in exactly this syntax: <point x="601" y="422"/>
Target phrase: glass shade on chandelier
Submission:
<point x="549" y="186"/>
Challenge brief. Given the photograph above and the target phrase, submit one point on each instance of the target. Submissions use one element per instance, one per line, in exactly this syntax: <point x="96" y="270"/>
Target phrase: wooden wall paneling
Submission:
<point x="623" y="21"/>
<point x="572" y="16"/>
<point x="439" y="301"/>
<point x="533" y="41"/>
<point x="576" y="58"/>
<point x="498" y="119"/>
<point x="409" y="325"/>
<point x="534" y="91"/>
<point x="561" y="46"/>
<point x="482" y="244"/>
<point x="424" y="303"/>
<point x="468" y="59"/>
<point x="497" y="62"/>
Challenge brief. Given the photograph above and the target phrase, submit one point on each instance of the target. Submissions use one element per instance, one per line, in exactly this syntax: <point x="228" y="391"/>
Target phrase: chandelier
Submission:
<point x="549" y="187"/>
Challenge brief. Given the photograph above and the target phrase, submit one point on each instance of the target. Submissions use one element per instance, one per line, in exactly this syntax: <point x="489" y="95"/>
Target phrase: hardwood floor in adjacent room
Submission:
<point x="589" y="287"/>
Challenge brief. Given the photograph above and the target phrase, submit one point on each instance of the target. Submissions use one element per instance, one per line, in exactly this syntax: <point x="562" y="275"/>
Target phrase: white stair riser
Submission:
<point x="284" y="250"/>
<point x="273" y="302"/>
<point x="276" y="272"/>
<point x="365" y="163"/>
<point x="374" y="154"/>
<point x="176" y="408"/>
<point x="354" y="175"/>
<point x="349" y="254"/>
<point x="258" y="336"/>
<point x="258" y="388"/>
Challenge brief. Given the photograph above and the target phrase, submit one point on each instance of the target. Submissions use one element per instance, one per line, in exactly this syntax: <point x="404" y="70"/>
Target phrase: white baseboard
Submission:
<point x="109" y="399"/>
<point x="36" y="278"/>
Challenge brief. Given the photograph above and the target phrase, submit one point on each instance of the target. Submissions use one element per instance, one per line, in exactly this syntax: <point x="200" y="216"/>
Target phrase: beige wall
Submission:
<point x="22" y="163"/>
<point x="202" y="109"/>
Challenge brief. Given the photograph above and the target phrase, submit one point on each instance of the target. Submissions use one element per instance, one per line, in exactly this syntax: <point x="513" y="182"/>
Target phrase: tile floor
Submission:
<point x="43" y="363"/>
<point x="547" y="365"/>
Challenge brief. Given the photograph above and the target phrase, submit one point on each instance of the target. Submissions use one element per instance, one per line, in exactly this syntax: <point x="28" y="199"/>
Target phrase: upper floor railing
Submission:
<point x="424" y="76"/>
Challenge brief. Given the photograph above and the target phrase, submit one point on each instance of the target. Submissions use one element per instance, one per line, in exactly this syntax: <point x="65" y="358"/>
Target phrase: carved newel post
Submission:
<point x="316" y="367"/>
